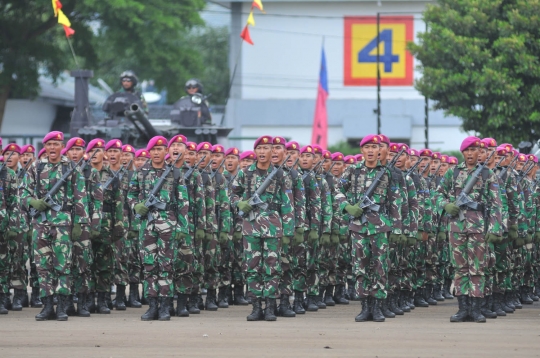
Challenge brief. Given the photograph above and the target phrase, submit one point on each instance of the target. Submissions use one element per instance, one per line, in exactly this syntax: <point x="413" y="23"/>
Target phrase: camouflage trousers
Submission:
<point x="343" y="262"/>
<point x="212" y="259"/>
<point x="411" y="258"/>
<point x="298" y="267"/>
<point x="502" y="279"/>
<point x="121" y="261"/>
<point x="237" y="273"/>
<point x="225" y="264"/>
<point x="134" y="264"/>
<point x="328" y="264"/>
<point x="82" y="262"/>
<point x="407" y="268"/>
<point x="490" y="271"/>
<point x="262" y="266"/>
<point x="198" y="266"/>
<point x="431" y="261"/>
<point x="528" y="274"/>
<point x="52" y="254"/>
<point x="469" y="261"/>
<point x="102" y="267"/>
<point x="369" y="255"/>
<point x="18" y="274"/>
<point x="393" y="262"/>
<point x="420" y="260"/>
<point x="286" y="279"/>
<point x="446" y="270"/>
<point x="440" y="262"/>
<point x="29" y="254"/>
<point x="305" y="267"/>
<point x="158" y="252"/>
<point x="184" y="266"/>
<point x="5" y="265"/>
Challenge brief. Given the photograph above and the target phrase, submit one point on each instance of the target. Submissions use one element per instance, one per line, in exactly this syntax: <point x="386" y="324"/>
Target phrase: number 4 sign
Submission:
<point x="395" y="62"/>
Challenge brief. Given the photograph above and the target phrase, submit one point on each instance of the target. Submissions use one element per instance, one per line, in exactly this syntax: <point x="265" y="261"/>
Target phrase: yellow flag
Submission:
<point x="258" y="4"/>
<point x="251" y="19"/>
<point x="62" y="19"/>
<point x="55" y="8"/>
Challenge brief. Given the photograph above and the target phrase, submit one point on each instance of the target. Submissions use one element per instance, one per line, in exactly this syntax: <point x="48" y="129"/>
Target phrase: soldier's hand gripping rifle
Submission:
<point x="119" y="174"/>
<point x="366" y="202"/>
<point x="190" y="171"/>
<point x="153" y="201"/>
<point x="255" y="201"/>
<point x="505" y="169"/>
<point x="413" y="168"/>
<point x="313" y="170"/>
<point x="463" y="200"/>
<point x="212" y="176"/>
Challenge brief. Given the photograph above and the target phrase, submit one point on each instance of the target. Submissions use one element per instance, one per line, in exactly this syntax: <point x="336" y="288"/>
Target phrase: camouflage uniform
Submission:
<point x="52" y="237"/>
<point x="122" y="247"/>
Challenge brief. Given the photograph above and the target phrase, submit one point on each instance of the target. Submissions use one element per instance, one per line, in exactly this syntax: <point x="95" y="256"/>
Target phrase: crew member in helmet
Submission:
<point x="128" y="81"/>
<point x="194" y="88"/>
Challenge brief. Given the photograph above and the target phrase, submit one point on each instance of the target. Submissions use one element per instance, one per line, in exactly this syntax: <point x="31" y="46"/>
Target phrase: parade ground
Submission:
<point x="426" y="332"/>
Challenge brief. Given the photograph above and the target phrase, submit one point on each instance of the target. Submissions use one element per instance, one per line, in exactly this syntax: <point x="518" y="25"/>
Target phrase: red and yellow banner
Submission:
<point x="62" y="18"/>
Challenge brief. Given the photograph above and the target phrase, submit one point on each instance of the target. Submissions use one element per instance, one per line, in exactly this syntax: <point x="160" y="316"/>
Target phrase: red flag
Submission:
<point x="69" y="31"/>
<point x="320" y="122"/>
<point x="245" y="35"/>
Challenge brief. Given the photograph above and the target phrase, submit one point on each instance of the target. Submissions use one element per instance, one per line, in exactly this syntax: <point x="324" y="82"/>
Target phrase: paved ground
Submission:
<point x="332" y="332"/>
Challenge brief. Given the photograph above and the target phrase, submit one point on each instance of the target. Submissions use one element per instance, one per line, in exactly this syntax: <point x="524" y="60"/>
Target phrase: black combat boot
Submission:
<point x="339" y="295"/>
<point x="74" y="298"/>
<point x="17" y="300"/>
<point x="515" y="299"/>
<point x="82" y="311"/>
<point x="446" y="289"/>
<point x="298" y="305"/>
<point x="351" y="291"/>
<point x="47" y="312"/>
<point x="181" y="307"/>
<point x="257" y="313"/>
<point x="25" y="299"/>
<point x="485" y="308"/>
<point x="61" y="314"/>
<point x="193" y="304"/>
<point x="223" y="301"/>
<point x="69" y="307"/>
<point x="320" y="300"/>
<point x="376" y="311"/>
<point x="91" y="302"/>
<point x="285" y="309"/>
<point x="328" y="296"/>
<point x="269" y="312"/>
<point x="35" y="301"/>
<point x="102" y="304"/>
<point x="463" y="311"/>
<point x="410" y="299"/>
<point x="108" y="300"/>
<point x="384" y="308"/>
<point x="120" y="297"/>
<point x="152" y="313"/>
<point x="537" y="288"/>
<point x="509" y="301"/>
<point x="497" y="306"/>
<point x="525" y="298"/>
<point x="143" y="300"/>
<point x="200" y="301"/>
<point x="211" y="301"/>
<point x="393" y="304"/>
<point x="419" y="300"/>
<point x="230" y="297"/>
<point x="312" y="304"/>
<point x="402" y="302"/>
<point x="3" y="309"/>
<point x="365" y="314"/>
<point x="428" y="295"/>
<point x="476" y="314"/>
<point x="239" y="299"/>
<point x="133" y="296"/>
<point x="532" y="295"/>
<point x="437" y="293"/>
<point x="164" y="313"/>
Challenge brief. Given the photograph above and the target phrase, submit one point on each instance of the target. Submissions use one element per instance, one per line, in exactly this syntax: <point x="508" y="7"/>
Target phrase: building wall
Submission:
<point x="27" y="117"/>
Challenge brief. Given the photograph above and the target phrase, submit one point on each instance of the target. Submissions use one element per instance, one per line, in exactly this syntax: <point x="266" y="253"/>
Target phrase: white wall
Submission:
<point x="440" y="137"/>
<point x="301" y="134"/>
<point x="28" y="117"/>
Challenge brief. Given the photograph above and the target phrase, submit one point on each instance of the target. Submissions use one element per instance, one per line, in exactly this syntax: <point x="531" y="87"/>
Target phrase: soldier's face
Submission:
<point x="338" y="168"/>
<point x="218" y="158"/>
<point x="482" y="155"/>
<point x="126" y="157"/>
<point x="139" y="162"/>
<point x="306" y="161"/>
<point x="317" y="158"/>
<point x="114" y="156"/>
<point x="383" y="152"/>
<point x="371" y="153"/>
<point x="264" y="153"/>
<point x="443" y="169"/>
<point x="192" y="90"/>
<point x="278" y="154"/>
<point x="53" y="149"/>
<point x="492" y="160"/>
<point x="206" y="160"/>
<point x="126" y="83"/>
<point x="326" y="165"/>
<point x="519" y="166"/>
<point x="75" y="153"/>
<point x="471" y="156"/>
<point x="191" y="157"/>
<point x="13" y="161"/>
<point x="294" y="155"/>
<point x="27" y="157"/>
<point x="434" y="164"/>
<point x="400" y="162"/>
<point x="413" y="160"/>
<point x="98" y="158"/>
<point x="176" y="149"/>
<point x="244" y="163"/>
<point x="231" y="163"/>
<point x="157" y="154"/>
<point x="499" y="157"/>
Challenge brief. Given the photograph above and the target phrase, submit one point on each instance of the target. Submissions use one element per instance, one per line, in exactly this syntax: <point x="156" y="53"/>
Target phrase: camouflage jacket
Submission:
<point x="528" y="208"/>
<point x="173" y="193"/>
<point x="299" y="197"/>
<point x="419" y="185"/>
<point x="278" y="219"/>
<point x="112" y="211"/>
<point x="337" y="218"/>
<point x="197" y="206"/>
<point x="313" y="201"/>
<point x="509" y="199"/>
<point x="398" y="180"/>
<point x="356" y="180"/>
<point x="414" y="211"/>
<point x="218" y="205"/>
<point x="326" y="205"/>
<point x="71" y="196"/>
<point x="236" y="220"/>
<point x="11" y="213"/>
<point x="95" y="196"/>
<point x="482" y="192"/>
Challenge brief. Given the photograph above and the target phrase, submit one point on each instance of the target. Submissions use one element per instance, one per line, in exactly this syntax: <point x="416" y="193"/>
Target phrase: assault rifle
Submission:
<point x="190" y="171"/>
<point x="330" y="169"/>
<point x="524" y="172"/>
<point x="213" y="175"/>
<point x="255" y="201"/>
<point x="366" y="202"/>
<point x="313" y="170"/>
<point x="5" y="161"/>
<point x="412" y="169"/>
<point x="119" y="174"/>
<point x="23" y="171"/>
<point x="463" y="200"/>
<point x="505" y="169"/>
<point x="153" y="201"/>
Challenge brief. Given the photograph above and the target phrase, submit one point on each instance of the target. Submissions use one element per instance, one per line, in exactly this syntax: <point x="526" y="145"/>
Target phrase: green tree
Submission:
<point x="150" y="36"/>
<point x="480" y="61"/>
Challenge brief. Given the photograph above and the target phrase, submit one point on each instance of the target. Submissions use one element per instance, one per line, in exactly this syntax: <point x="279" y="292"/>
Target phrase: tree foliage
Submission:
<point x="480" y="61"/>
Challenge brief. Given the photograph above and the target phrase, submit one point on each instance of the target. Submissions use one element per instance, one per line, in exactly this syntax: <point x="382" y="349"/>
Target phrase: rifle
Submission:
<point x="190" y="171"/>
<point x="153" y="201"/>
<point x="412" y="169"/>
<point x="213" y="175"/>
<point x="424" y="171"/>
<point x="119" y="174"/>
<point x="48" y="198"/>
<point x="366" y="202"/>
<point x="294" y="164"/>
<point x="524" y="173"/>
<point x="463" y="200"/>
<point x="330" y="169"/>
<point x="255" y="201"/>
<point x="430" y="177"/>
<point x="85" y="163"/>
<point x="23" y="171"/>
<point x="207" y="165"/>
<point x="232" y="179"/>
<point x="5" y="161"/>
<point x="314" y="169"/>
<point x="505" y="169"/>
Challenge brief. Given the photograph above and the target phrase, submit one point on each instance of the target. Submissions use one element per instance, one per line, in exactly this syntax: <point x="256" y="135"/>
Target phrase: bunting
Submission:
<point x="258" y="4"/>
<point x="245" y="35"/>
<point x="62" y="18"/>
<point x="251" y="21"/>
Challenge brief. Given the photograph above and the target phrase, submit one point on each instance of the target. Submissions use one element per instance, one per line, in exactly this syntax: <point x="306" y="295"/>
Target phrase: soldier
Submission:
<point x="159" y="237"/>
<point x="42" y="153"/>
<point x="262" y="235"/>
<point x="370" y="238"/>
<point x="141" y="157"/>
<point x="55" y="230"/>
<point x="247" y="158"/>
<point x="467" y="238"/>
<point x="349" y="160"/>
<point x="129" y="81"/>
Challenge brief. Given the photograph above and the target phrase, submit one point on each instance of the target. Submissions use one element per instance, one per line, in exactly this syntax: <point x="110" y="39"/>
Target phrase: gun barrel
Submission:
<point x="137" y="116"/>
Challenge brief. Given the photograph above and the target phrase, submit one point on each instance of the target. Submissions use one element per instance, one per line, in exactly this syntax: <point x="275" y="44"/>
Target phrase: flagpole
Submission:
<point x="378" y="75"/>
